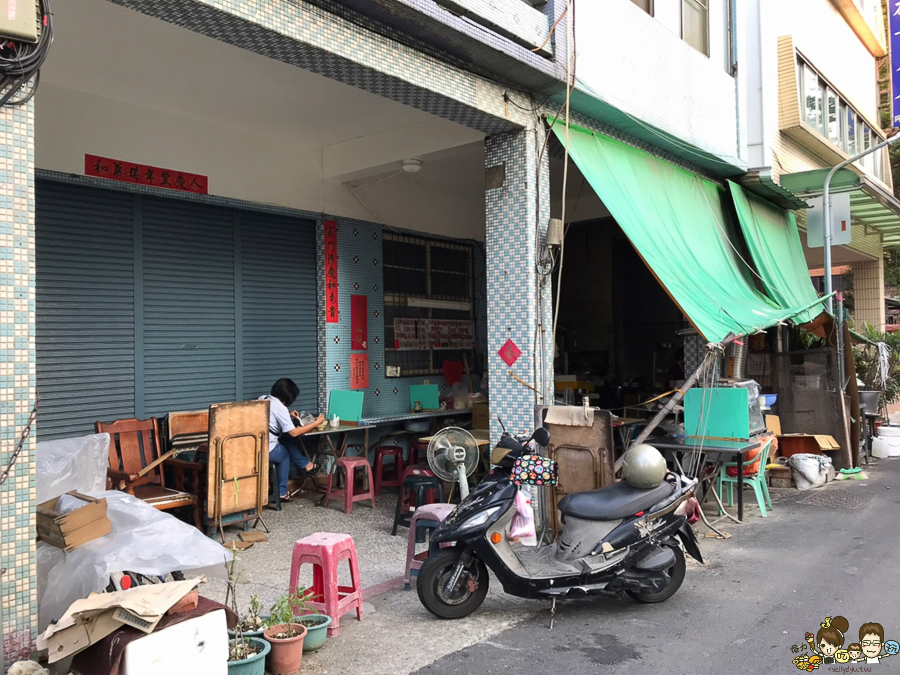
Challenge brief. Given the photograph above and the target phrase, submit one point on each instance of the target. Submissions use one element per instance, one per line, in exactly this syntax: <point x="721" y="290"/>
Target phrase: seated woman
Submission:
<point x="284" y="393"/>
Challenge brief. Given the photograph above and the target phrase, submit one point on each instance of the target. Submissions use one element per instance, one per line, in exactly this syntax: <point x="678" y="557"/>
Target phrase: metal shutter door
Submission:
<point x="188" y="336"/>
<point x="84" y="309"/>
<point x="278" y="284"/>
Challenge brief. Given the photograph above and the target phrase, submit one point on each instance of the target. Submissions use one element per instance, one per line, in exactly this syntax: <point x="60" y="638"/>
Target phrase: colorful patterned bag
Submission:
<point x="534" y="470"/>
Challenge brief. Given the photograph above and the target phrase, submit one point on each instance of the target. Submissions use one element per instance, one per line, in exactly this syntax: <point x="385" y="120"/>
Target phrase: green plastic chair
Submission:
<point x="758" y="482"/>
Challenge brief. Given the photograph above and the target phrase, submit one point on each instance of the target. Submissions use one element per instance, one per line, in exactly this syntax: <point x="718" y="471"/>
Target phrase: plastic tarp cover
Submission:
<point x="71" y="464"/>
<point x="774" y="244"/>
<point x="143" y="540"/>
<point x="676" y="222"/>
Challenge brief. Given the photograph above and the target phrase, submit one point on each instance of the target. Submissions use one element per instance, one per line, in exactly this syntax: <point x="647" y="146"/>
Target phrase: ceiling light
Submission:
<point x="412" y="165"/>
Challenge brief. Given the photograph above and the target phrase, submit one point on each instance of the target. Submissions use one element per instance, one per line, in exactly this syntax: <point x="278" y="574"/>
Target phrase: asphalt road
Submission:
<point x="756" y="597"/>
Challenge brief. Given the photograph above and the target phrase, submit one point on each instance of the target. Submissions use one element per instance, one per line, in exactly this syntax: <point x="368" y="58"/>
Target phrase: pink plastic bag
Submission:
<point x="522" y="524"/>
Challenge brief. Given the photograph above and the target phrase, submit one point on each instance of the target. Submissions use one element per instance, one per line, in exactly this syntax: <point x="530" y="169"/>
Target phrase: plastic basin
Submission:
<point x="252" y="633"/>
<point x="770" y="399"/>
<point x="256" y="664"/>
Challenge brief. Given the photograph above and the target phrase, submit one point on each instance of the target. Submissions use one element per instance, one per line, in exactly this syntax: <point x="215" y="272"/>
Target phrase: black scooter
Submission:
<point x="616" y="539"/>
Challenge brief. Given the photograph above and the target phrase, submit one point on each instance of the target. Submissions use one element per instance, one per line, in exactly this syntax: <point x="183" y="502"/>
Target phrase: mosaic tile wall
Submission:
<point x="360" y="273"/>
<point x="18" y="573"/>
<point x="517" y="213"/>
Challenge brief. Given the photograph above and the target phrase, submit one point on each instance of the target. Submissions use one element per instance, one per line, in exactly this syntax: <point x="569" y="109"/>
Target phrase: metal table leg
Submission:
<point x="739" y="460"/>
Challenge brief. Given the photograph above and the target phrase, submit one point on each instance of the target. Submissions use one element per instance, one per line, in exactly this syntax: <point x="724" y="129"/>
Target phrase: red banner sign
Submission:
<point x="359" y="371"/>
<point x="142" y="174"/>
<point x="359" y="322"/>
<point x="332" y="315"/>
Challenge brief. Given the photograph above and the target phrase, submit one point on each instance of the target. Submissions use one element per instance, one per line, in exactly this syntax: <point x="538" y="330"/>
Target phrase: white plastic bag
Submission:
<point x="522" y="524"/>
<point x="142" y="540"/>
<point x="810" y="471"/>
<point x="71" y="464"/>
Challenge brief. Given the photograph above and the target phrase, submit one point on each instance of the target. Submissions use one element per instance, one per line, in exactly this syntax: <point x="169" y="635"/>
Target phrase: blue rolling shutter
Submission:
<point x="278" y="294"/>
<point x="84" y="307"/>
<point x="148" y="305"/>
<point x="188" y="305"/>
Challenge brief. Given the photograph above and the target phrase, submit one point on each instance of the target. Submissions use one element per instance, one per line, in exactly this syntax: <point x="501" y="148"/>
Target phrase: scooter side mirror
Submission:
<point x="541" y="436"/>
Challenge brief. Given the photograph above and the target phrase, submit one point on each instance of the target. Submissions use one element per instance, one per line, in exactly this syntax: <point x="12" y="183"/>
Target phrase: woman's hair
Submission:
<point x="285" y="391"/>
<point x="854" y="647"/>
<point x="871" y="629"/>
<point x="834" y="634"/>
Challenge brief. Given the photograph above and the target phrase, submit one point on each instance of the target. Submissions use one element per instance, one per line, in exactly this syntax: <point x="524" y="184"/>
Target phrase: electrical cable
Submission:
<point x="20" y="62"/>
<point x="571" y="66"/>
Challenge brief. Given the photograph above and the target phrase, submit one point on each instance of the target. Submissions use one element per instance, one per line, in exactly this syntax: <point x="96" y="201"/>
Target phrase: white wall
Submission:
<point x="446" y="197"/>
<point x="823" y="36"/>
<point x="640" y="65"/>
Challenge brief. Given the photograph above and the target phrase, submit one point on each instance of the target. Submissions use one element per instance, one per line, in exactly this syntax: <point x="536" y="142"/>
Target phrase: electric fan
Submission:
<point x="453" y="456"/>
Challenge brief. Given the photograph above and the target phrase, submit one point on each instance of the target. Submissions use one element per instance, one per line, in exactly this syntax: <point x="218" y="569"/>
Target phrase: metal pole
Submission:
<point x="840" y="343"/>
<point x="826" y="211"/>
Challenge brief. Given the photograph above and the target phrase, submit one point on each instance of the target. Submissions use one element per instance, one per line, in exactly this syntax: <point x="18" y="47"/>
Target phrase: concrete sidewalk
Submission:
<point x="399" y="636"/>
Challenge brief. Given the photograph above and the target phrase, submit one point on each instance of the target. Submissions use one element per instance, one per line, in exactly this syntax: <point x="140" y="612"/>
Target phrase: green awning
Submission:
<point x="676" y="222"/>
<point x="774" y="243"/>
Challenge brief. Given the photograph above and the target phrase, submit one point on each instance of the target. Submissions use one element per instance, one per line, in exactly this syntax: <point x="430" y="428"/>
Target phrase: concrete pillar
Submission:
<point x="517" y="205"/>
<point x="18" y="574"/>
<point x="868" y="293"/>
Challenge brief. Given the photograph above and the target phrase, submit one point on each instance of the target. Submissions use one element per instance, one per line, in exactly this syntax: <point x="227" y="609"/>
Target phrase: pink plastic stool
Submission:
<point x="418" y="452"/>
<point x="395" y="479"/>
<point x="325" y="550"/>
<point x="348" y="492"/>
<point x="433" y="514"/>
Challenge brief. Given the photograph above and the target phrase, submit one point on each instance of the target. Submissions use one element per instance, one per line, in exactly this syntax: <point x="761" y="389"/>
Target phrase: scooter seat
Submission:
<point x="613" y="502"/>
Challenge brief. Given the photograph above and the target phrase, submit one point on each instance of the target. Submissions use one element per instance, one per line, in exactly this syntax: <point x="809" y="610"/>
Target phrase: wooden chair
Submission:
<point x="136" y="465"/>
<point x="238" y="463"/>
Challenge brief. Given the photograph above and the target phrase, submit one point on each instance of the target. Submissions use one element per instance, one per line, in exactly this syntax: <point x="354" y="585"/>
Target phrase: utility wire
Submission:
<point x="20" y="62"/>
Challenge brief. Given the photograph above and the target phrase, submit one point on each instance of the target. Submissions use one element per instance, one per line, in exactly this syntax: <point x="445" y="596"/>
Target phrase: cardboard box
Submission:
<point x="481" y="416"/>
<point x="793" y="444"/>
<point x="70" y="530"/>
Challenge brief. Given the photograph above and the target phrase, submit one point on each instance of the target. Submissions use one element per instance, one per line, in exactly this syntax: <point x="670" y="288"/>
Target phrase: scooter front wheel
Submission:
<point x="434" y="580"/>
<point x="675" y="573"/>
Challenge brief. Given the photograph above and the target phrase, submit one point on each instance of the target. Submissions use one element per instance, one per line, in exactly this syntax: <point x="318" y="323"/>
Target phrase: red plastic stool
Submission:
<point x="325" y="551"/>
<point x="427" y="517"/>
<point x="418" y="452"/>
<point x="348" y="492"/>
<point x="394" y="480"/>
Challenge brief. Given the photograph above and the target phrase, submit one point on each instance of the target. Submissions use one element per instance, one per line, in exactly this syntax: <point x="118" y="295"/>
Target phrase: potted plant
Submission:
<point x="252" y="623"/>
<point x="316" y="624"/>
<point x="246" y="654"/>
<point x="285" y="636"/>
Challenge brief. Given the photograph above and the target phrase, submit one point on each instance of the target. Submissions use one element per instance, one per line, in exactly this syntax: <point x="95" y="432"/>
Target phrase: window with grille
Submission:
<point x="425" y="279"/>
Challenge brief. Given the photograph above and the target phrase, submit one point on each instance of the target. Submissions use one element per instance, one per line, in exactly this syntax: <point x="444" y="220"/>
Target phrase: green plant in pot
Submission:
<point x="316" y="624"/>
<point x="253" y="623"/>
<point x="246" y="654"/>
<point x="285" y="635"/>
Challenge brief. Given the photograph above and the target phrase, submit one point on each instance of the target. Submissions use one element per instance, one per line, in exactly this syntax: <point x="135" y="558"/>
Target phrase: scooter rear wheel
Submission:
<point x="676" y="577"/>
<point x="434" y="575"/>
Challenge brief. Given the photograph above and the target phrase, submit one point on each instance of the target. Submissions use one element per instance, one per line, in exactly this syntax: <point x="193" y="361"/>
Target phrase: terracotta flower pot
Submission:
<point x="287" y="654"/>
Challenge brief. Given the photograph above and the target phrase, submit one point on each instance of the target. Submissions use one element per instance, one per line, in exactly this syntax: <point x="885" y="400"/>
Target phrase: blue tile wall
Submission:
<point x="360" y="272"/>
<point x="518" y="307"/>
<point x="18" y="583"/>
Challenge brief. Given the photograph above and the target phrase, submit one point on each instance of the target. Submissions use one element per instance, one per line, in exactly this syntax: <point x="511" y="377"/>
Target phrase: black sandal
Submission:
<point x="286" y="498"/>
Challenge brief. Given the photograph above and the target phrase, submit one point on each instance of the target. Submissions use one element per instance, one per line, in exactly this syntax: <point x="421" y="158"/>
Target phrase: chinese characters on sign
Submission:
<point x="141" y="174"/>
<point x="359" y="371"/>
<point x="359" y="322"/>
<point x="412" y="334"/>
<point x="895" y="67"/>
<point x="332" y="315"/>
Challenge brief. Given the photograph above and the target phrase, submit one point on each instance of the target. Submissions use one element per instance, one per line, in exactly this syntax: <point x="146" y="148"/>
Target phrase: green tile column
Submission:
<point x="18" y="572"/>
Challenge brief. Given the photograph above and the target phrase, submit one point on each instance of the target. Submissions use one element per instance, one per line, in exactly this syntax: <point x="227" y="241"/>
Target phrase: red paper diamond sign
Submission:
<point x="510" y="353"/>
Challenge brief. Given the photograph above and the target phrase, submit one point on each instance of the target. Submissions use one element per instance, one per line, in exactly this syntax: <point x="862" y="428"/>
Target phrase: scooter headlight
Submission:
<point x="479" y="519"/>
